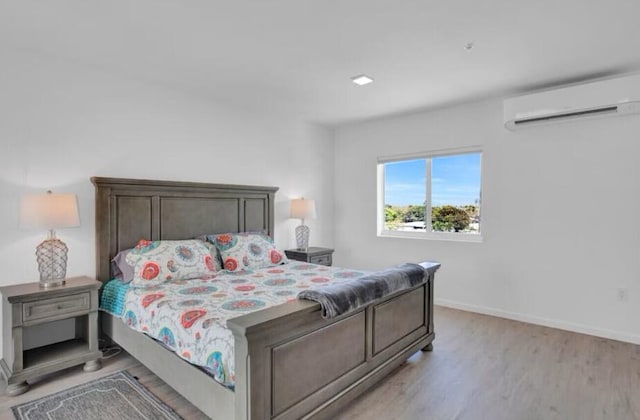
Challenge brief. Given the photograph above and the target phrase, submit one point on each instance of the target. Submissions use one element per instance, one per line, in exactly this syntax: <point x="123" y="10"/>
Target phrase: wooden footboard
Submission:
<point x="291" y="363"/>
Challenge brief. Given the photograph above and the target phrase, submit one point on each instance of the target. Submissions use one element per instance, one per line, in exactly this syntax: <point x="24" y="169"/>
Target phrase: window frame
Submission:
<point x="427" y="234"/>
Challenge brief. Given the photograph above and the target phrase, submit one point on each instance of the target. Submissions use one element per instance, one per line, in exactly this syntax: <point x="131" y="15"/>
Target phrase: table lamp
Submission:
<point x="303" y="209"/>
<point x="50" y="211"/>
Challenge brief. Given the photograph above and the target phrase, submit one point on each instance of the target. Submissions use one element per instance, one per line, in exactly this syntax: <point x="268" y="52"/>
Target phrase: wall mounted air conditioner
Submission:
<point x="611" y="97"/>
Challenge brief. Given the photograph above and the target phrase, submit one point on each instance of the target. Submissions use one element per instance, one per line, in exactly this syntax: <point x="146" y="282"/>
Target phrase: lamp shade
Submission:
<point x="49" y="211"/>
<point x="302" y="208"/>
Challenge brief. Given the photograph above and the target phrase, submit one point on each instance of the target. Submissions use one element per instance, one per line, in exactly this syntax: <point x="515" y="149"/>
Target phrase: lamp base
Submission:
<point x="51" y="284"/>
<point x="302" y="237"/>
<point x="52" y="262"/>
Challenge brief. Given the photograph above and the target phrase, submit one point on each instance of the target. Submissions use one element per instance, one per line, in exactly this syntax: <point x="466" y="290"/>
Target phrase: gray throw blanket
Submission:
<point x="338" y="298"/>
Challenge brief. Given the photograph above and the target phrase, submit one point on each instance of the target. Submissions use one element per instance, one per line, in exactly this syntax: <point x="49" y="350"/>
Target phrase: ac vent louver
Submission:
<point x="604" y="98"/>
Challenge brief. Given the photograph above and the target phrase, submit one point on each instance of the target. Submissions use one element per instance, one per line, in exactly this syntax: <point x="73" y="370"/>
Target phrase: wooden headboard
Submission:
<point x="128" y="210"/>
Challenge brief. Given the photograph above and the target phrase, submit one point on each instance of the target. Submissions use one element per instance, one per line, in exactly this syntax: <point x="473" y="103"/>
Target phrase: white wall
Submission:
<point x="560" y="216"/>
<point x="61" y="123"/>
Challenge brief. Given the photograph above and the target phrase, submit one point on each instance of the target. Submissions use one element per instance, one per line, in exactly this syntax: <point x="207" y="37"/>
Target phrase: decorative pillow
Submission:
<point x="156" y="262"/>
<point x="247" y="250"/>
<point x="210" y="242"/>
<point x="121" y="268"/>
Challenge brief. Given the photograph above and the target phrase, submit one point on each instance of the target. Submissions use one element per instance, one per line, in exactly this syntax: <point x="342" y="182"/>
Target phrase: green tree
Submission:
<point x="472" y="210"/>
<point x="392" y="217"/>
<point x="390" y="213"/>
<point x="414" y="213"/>
<point x="447" y="218"/>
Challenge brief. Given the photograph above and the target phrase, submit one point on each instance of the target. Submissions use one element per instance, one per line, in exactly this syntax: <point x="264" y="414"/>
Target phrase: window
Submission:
<point x="431" y="195"/>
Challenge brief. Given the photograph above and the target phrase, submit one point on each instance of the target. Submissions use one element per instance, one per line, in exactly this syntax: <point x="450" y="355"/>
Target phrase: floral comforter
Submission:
<point x="190" y="316"/>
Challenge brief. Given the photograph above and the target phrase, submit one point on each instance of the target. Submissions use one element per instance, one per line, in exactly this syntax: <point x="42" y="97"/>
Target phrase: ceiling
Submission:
<point x="297" y="56"/>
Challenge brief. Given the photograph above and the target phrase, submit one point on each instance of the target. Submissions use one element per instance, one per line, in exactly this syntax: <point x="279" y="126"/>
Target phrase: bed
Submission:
<point x="290" y="363"/>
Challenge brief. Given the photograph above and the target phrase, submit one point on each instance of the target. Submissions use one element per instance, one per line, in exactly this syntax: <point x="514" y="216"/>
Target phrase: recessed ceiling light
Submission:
<point x="362" y="80"/>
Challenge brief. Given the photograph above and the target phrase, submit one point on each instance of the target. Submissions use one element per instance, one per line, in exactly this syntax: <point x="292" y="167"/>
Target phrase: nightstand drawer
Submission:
<point x="55" y="306"/>
<point x="313" y="254"/>
<point x="321" y="259"/>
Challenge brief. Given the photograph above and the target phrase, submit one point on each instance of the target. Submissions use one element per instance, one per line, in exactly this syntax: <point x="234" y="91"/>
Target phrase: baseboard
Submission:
<point x="562" y="325"/>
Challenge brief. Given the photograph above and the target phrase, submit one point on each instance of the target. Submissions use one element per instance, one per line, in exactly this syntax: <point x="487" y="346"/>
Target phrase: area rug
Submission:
<point x="118" y="397"/>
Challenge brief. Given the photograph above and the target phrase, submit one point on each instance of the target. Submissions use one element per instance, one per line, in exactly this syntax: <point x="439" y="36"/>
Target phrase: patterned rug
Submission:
<point x="118" y="397"/>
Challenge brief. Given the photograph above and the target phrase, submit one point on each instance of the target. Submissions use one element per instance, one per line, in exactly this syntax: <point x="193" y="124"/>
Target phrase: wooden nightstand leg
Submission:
<point x="92" y="365"/>
<point x="17" y="389"/>
<point x="428" y="347"/>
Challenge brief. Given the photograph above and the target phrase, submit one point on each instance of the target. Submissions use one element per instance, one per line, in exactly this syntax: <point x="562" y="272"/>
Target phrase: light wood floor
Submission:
<point x="482" y="367"/>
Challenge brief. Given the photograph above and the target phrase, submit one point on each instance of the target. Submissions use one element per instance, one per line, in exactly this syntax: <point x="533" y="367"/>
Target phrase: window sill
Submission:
<point x="433" y="236"/>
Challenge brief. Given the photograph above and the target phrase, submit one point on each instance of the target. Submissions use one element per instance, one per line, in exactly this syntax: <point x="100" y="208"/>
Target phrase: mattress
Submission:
<point x="190" y="316"/>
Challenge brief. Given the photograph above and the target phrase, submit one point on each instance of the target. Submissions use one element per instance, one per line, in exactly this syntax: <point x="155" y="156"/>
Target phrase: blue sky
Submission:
<point x="455" y="180"/>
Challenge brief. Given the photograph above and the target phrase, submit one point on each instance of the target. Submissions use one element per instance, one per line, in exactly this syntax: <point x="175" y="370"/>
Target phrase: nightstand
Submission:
<point x="313" y="254"/>
<point x="28" y="305"/>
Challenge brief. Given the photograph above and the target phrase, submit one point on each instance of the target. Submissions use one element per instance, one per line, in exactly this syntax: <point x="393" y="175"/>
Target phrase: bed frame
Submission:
<point x="290" y="362"/>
